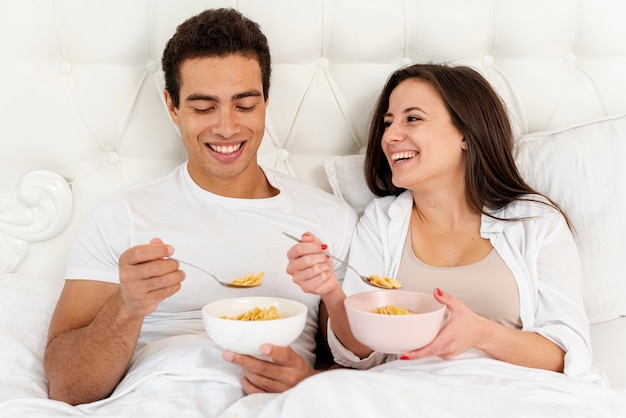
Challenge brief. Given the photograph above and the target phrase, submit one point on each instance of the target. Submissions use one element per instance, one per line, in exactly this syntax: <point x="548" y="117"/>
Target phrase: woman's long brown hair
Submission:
<point x="492" y="179"/>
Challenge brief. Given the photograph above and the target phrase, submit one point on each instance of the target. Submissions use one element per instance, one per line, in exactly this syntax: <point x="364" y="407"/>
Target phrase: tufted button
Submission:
<point x="570" y="58"/>
<point x="113" y="157"/>
<point x="282" y="154"/>
<point x="65" y="67"/>
<point x="152" y="66"/>
<point x="487" y="61"/>
<point x="406" y="61"/>
<point x="322" y="63"/>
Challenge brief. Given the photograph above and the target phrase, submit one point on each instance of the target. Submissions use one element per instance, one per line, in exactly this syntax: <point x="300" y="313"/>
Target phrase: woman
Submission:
<point x="455" y="218"/>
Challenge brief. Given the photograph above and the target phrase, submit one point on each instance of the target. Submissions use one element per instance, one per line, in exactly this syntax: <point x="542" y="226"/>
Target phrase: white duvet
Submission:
<point x="184" y="376"/>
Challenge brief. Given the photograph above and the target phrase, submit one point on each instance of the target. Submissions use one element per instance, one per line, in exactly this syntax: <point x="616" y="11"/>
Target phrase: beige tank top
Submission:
<point x="487" y="287"/>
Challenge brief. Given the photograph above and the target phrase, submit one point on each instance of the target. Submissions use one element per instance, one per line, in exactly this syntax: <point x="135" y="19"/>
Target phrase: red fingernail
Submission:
<point x="404" y="358"/>
<point x="324" y="246"/>
<point x="439" y="292"/>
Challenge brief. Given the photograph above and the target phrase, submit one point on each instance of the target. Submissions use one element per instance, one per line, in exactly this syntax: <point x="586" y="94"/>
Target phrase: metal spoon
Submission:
<point x="226" y="284"/>
<point x="366" y="279"/>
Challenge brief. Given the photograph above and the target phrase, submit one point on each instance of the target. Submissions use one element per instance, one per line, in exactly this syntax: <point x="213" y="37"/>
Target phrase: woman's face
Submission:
<point x="423" y="148"/>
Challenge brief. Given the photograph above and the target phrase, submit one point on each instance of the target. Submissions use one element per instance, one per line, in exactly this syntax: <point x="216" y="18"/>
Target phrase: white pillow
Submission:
<point x="26" y="305"/>
<point x="582" y="168"/>
<point x="347" y="180"/>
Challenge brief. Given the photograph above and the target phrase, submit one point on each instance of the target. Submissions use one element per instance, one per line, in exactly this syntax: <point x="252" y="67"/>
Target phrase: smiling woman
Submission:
<point x="452" y="200"/>
<point x="434" y="146"/>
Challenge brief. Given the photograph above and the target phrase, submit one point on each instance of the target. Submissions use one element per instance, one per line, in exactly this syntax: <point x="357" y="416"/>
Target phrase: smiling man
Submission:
<point x="125" y="297"/>
<point x="222" y="120"/>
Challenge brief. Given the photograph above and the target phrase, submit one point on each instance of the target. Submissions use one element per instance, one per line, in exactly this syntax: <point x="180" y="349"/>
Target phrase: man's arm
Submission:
<point x="95" y="326"/>
<point x="90" y="342"/>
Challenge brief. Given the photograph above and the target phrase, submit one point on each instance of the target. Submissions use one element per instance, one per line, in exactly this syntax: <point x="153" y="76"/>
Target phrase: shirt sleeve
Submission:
<point x="347" y="358"/>
<point x="102" y="238"/>
<point x="367" y="250"/>
<point x="560" y="314"/>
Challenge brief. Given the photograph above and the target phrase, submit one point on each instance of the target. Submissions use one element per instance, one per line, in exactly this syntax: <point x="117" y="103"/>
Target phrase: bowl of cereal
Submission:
<point x="244" y="324"/>
<point x="394" y="321"/>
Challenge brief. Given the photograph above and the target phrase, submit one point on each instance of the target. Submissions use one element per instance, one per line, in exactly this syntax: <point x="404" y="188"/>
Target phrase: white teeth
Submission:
<point x="225" y="149"/>
<point x="403" y="155"/>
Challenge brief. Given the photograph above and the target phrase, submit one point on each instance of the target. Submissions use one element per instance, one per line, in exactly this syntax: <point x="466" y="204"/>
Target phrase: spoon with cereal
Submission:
<point x="372" y="280"/>
<point x="251" y="280"/>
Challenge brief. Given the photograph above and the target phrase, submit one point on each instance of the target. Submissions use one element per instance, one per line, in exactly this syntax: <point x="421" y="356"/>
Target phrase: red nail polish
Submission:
<point x="439" y="292"/>
<point x="324" y="246"/>
<point x="404" y="358"/>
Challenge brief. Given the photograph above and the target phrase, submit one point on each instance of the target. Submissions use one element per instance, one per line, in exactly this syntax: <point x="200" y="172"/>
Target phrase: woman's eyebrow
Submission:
<point x="407" y="110"/>
<point x="414" y="108"/>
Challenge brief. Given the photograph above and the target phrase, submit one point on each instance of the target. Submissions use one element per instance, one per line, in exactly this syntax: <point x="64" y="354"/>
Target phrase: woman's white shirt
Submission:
<point x="539" y="249"/>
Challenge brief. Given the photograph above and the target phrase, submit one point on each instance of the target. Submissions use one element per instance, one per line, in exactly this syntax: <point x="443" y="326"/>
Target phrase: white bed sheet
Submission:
<point x="185" y="376"/>
<point x="465" y="387"/>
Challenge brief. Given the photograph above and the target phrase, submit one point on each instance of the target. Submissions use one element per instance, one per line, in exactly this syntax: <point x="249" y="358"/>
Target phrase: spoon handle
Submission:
<point x="331" y="256"/>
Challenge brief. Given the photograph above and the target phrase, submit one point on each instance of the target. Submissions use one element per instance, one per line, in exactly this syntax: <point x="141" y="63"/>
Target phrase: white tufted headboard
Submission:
<point x="81" y="88"/>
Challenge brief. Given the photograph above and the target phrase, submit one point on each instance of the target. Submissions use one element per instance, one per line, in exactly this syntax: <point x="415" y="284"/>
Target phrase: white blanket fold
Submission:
<point x="465" y="387"/>
<point x="185" y="376"/>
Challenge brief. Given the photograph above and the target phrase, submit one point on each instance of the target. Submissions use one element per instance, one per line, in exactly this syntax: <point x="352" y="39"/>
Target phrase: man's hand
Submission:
<point x="147" y="276"/>
<point x="285" y="370"/>
<point x="95" y="326"/>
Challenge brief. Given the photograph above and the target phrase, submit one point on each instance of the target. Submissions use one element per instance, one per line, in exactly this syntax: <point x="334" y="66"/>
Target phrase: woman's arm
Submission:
<point x="464" y="329"/>
<point x="312" y="269"/>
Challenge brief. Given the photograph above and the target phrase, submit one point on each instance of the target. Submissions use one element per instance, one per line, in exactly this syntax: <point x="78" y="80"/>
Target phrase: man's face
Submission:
<point x="221" y="118"/>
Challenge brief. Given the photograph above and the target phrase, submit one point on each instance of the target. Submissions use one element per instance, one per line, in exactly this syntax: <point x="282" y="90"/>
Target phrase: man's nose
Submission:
<point x="227" y="124"/>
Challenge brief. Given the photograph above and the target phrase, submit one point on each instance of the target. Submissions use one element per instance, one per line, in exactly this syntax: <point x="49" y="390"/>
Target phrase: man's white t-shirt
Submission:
<point x="227" y="236"/>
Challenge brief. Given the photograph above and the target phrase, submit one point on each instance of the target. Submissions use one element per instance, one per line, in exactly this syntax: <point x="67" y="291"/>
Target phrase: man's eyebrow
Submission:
<point x="203" y="97"/>
<point x="208" y="98"/>
<point x="249" y="93"/>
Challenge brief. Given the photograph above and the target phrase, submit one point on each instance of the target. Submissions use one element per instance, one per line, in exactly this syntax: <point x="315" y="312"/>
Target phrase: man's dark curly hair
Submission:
<point x="214" y="33"/>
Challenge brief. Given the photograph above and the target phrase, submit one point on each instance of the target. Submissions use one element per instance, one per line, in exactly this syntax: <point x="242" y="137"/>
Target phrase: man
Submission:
<point x="125" y="290"/>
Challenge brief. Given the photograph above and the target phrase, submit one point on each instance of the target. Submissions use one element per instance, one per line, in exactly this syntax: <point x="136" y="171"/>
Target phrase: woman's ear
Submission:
<point x="463" y="144"/>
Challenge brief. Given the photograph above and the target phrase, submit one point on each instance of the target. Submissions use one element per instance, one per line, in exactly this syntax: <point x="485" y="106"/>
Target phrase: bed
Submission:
<point x="83" y="115"/>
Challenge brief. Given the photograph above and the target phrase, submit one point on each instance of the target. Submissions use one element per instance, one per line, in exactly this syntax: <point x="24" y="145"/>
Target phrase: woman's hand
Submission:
<point x="463" y="330"/>
<point x="310" y="266"/>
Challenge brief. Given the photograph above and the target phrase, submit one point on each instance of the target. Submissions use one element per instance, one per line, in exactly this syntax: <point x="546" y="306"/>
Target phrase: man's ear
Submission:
<point x="173" y="111"/>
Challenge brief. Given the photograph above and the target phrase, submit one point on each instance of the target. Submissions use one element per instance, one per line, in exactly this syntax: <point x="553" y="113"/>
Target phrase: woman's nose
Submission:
<point x="392" y="134"/>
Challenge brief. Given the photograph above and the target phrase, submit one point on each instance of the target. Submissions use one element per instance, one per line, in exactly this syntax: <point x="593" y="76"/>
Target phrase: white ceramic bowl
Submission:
<point x="394" y="334"/>
<point x="246" y="337"/>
